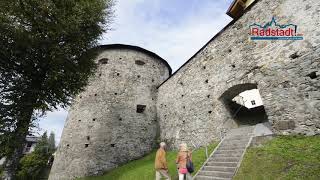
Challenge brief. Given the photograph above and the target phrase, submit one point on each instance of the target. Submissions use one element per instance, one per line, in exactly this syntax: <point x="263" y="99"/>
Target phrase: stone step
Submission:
<point x="242" y="129"/>
<point x="224" y="164"/>
<point x="219" y="168"/>
<point x="238" y="138"/>
<point x="224" y="159"/>
<point x="210" y="178"/>
<point x="233" y="151"/>
<point x="234" y="144"/>
<point x="217" y="174"/>
<point x="239" y="131"/>
<point x="227" y="155"/>
<point x="231" y="147"/>
<point x="235" y="141"/>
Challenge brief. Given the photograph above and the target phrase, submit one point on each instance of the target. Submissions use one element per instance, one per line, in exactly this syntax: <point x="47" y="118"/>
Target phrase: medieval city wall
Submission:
<point x="128" y="104"/>
<point x="190" y="103"/>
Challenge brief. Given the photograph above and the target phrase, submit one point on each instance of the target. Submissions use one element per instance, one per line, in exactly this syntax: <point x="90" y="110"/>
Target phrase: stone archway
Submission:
<point x="244" y="104"/>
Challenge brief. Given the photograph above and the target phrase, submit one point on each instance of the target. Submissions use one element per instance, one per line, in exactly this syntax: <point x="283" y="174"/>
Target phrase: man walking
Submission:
<point x="161" y="165"/>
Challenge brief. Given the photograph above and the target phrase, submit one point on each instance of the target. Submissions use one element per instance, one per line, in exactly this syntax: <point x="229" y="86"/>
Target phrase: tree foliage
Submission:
<point x="52" y="142"/>
<point x="44" y="59"/>
<point x="33" y="165"/>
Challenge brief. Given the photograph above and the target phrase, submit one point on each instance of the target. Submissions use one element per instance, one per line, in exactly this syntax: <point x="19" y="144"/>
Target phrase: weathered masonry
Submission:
<point x="192" y="103"/>
<point x="131" y="101"/>
<point x="114" y="120"/>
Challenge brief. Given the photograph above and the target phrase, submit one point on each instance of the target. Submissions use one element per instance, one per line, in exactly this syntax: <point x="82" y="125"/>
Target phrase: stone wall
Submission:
<point x="105" y="126"/>
<point x="285" y="72"/>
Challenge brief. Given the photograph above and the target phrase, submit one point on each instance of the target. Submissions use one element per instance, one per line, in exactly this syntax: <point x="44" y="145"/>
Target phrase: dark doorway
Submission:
<point x="244" y="104"/>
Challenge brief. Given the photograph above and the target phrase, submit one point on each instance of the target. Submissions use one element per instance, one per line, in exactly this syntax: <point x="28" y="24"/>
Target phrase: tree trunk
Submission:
<point x="17" y="144"/>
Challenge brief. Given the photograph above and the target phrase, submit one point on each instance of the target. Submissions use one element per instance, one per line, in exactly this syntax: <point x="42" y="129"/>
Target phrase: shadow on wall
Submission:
<point x="238" y="111"/>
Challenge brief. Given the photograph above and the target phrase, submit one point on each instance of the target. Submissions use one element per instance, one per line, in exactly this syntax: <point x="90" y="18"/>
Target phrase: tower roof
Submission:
<point x="136" y="48"/>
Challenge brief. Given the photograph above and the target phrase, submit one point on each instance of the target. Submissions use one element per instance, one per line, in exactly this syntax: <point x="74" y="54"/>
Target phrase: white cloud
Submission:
<point x="175" y="38"/>
<point x="175" y="43"/>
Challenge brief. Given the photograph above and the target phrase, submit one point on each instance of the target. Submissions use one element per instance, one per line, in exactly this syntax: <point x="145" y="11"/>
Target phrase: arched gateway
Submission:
<point x="244" y="104"/>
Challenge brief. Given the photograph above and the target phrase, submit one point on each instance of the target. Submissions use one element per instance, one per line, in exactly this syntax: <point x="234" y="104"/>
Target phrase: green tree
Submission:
<point x="33" y="165"/>
<point x="52" y="142"/>
<point x="45" y="60"/>
<point x="42" y="146"/>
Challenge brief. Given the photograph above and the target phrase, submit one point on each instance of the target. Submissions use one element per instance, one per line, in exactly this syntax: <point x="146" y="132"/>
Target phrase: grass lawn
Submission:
<point x="143" y="169"/>
<point x="285" y="158"/>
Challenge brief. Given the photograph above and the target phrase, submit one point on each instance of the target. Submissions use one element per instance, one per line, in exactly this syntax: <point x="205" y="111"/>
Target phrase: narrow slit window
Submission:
<point x="139" y="62"/>
<point x="103" y="61"/>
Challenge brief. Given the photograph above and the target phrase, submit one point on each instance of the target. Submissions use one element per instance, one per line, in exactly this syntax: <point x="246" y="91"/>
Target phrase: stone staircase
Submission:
<point x="225" y="160"/>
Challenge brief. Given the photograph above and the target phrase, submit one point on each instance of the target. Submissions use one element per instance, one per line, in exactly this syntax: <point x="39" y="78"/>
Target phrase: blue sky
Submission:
<point x="174" y="29"/>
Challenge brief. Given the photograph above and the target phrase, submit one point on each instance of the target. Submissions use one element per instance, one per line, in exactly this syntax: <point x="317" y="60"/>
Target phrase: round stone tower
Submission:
<point x="114" y="120"/>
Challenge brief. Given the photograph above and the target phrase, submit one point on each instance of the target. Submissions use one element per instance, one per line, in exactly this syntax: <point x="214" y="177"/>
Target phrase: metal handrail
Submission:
<point x="198" y="146"/>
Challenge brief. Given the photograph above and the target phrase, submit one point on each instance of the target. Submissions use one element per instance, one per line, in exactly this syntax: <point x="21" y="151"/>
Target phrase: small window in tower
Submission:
<point x="253" y="102"/>
<point x="86" y="145"/>
<point x="138" y="62"/>
<point x="112" y="145"/>
<point x="103" y="61"/>
<point x="313" y="75"/>
<point x="141" y="108"/>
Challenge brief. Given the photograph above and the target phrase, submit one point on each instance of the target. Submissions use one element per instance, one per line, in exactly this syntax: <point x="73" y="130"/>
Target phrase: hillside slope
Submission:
<point x="143" y="169"/>
<point x="285" y="158"/>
